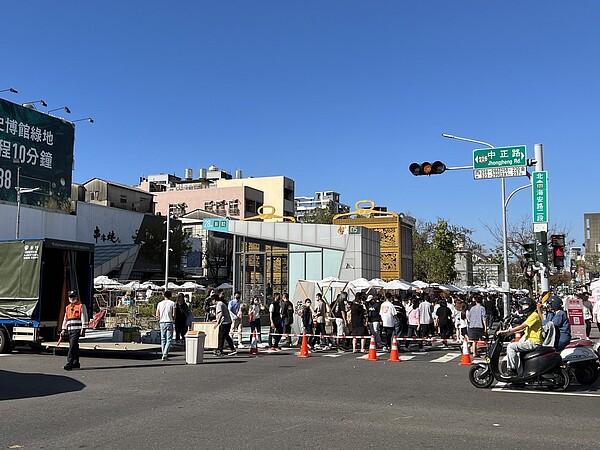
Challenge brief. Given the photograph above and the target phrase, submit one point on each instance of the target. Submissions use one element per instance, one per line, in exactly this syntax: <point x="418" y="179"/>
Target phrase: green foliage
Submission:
<point x="434" y="247"/>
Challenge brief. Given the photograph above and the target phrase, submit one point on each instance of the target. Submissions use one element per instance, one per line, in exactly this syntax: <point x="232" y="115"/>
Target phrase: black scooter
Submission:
<point x="541" y="367"/>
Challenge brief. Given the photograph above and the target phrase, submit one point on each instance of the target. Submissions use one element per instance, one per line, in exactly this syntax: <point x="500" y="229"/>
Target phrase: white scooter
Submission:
<point x="583" y="360"/>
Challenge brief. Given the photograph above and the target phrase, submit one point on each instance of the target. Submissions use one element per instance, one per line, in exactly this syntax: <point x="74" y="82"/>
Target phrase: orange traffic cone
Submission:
<point x="254" y="344"/>
<point x="465" y="359"/>
<point x="304" y="348"/>
<point x="394" y="357"/>
<point x="372" y="350"/>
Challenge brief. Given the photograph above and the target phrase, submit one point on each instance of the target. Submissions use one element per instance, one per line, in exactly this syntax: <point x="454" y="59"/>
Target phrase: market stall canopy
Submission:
<point x="191" y="285"/>
<point x="420" y="284"/>
<point x="103" y="282"/>
<point x="149" y="285"/>
<point x="225" y="286"/>
<point x="170" y="285"/>
<point x="359" y="284"/>
<point x="332" y="282"/>
<point x="133" y="285"/>
<point x="399" y="284"/>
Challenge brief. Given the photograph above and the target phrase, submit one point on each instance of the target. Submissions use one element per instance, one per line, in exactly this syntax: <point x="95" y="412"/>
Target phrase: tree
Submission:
<point x="217" y="255"/>
<point x="151" y="237"/>
<point x="434" y="247"/>
<point x="518" y="234"/>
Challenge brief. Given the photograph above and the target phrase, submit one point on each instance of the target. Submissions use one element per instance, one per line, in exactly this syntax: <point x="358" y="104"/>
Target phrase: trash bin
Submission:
<point x="194" y="347"/>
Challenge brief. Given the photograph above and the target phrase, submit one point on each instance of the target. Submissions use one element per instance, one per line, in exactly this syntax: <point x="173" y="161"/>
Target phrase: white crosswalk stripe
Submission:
<point x="446" y="358"/>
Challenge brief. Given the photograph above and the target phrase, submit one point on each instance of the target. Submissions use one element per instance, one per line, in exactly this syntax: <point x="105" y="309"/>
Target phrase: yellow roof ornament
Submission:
<point x="266" y="212"/>
<point x="365" y="211"/>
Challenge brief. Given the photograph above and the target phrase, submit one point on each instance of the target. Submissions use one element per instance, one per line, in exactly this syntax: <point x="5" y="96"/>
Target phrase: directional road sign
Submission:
<point x="500" y="162"/>
<point x="539" y="181"/>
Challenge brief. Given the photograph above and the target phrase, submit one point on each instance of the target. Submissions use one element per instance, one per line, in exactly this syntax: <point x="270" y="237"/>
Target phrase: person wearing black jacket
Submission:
<point x="308" y="322"/>
<point x="374" y="319"/>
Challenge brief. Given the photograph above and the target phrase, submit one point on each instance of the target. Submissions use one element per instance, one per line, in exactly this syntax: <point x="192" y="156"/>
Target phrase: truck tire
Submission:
<point x="5" y="345"/>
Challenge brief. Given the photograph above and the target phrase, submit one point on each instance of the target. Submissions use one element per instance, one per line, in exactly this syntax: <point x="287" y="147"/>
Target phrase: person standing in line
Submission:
<point x="358" y="319"/>
<point x="276" y="325"/>
<point x="339" y="314"/>
<point x="400" y="316"/>
<point x="426" y="318"/>
<point x="182" y="312"/>
<point x="320" y="315"/>
<point x="412" y="313"/>
<point x="223" y="322"/>
<point x="587" y="312"/>
<point x="374" y="319"/>
<point x="388" y="318"/>
<point x="235" y="311"/>
<point x="287" y="318"/>
<point x="74" y="324"/>
<point x="477" y="324"/>
<point x="254" y="317"/>
<point x="308" y="322"/>
<point x="444" y="319"/>
<point x="165" y="312"/>
<point x="596" y="313"/>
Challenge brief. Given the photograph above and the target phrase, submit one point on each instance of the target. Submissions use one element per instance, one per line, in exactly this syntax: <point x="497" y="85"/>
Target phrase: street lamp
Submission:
<point x="177" y="209"/>
<point x="20" y="191"/>
<point x="13" y="90"/>
<point x="31" y="105"/>
<point x="66" y="108"/>
<point x="88" y="119"/>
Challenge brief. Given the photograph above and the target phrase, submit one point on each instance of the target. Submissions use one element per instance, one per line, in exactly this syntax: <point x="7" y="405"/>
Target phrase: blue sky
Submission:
<point x="337" y="95"/>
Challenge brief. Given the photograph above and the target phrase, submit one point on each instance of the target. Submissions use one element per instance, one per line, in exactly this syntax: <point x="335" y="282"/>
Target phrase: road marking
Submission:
<point x="447" y="357"/>
<point x="402" y="357"/>
<point x="336" y="355"/>
<point x="4" y="354"/>
<point x="502" y="387"/>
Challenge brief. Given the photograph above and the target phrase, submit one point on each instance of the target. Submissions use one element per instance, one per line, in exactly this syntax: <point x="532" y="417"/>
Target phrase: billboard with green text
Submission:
<point x="38" y="147"/>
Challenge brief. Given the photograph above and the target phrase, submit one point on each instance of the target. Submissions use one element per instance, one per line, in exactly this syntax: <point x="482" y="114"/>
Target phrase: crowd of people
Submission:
<point x="346" y="325"/>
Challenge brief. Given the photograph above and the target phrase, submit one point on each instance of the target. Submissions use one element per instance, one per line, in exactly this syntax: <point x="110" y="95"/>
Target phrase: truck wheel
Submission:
<point x="5" y="345"/>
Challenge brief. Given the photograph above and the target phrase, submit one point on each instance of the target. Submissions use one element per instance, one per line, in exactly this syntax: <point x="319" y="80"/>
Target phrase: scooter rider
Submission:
<point x="531" y="340"/>
<point x="559" y="318"/>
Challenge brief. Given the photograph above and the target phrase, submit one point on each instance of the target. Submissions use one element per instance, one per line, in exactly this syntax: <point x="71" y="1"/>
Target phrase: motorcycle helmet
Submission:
<point x="527" y="306"/>
<point x="555" y="302"/>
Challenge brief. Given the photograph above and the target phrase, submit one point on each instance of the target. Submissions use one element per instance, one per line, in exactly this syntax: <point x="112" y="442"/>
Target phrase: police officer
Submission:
<point x="74" y="324"/>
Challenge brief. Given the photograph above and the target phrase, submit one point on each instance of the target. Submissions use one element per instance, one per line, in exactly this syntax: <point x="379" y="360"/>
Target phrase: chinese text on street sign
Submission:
<point x="539" y="188"/>
<point x="500" y="162"/>
<point x="42" y="146"/>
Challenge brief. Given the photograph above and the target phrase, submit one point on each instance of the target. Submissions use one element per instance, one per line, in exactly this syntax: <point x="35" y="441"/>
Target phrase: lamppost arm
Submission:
<point x="513" y="193"/>
<point x="451" y="136"/>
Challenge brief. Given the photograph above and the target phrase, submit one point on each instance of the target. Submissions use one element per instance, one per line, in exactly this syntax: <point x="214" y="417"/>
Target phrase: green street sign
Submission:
<point x="500" y="162"/>
<point x="539" y="183"/>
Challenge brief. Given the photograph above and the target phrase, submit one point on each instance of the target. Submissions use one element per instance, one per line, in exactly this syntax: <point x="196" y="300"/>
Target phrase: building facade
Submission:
<point x="324" y="199"/>
<point x="592" y="232"/>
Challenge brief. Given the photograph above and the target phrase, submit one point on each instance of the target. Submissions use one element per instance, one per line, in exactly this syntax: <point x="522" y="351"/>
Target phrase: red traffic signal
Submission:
<point x="427" y="168"/>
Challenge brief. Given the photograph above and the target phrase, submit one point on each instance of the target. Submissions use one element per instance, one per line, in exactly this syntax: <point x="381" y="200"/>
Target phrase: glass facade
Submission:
<point x="265" y="267"/>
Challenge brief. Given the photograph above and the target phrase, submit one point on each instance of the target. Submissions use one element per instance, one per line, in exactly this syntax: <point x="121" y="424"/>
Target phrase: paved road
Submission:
<point x="279" y="401"/>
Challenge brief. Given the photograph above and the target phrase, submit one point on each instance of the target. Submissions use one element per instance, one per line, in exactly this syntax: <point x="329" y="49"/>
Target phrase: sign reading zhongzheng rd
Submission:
<point x="42" y="145"/>
<point x="500" y="162"/>
<point x="539" y="187"/>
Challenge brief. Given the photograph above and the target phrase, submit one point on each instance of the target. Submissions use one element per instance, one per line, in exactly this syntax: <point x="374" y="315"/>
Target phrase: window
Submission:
<point x="123" y="199"/>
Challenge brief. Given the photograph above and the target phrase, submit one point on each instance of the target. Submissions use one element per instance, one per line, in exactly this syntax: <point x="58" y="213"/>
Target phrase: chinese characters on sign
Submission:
<point x="539" y="188"/>
<point x="499" y="162"/>
<point x="42" y="147"/>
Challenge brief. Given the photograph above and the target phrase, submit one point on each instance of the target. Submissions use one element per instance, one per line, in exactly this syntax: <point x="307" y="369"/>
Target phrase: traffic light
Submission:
<point x="558" y="250"/>
<point x="529" y="254"/>
<point x="427" y="168"/>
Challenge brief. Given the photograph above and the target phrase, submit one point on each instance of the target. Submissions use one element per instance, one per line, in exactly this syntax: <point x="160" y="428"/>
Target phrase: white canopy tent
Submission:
<point x="103" y="282"/>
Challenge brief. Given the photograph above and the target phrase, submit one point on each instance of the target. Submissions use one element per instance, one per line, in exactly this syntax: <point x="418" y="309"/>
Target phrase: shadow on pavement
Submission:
<point x="162" y="364"/>
<point x="15" y="385"/>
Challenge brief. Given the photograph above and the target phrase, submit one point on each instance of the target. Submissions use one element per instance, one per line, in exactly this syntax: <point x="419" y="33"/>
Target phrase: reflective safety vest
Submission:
<point x="75" y="317"/>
